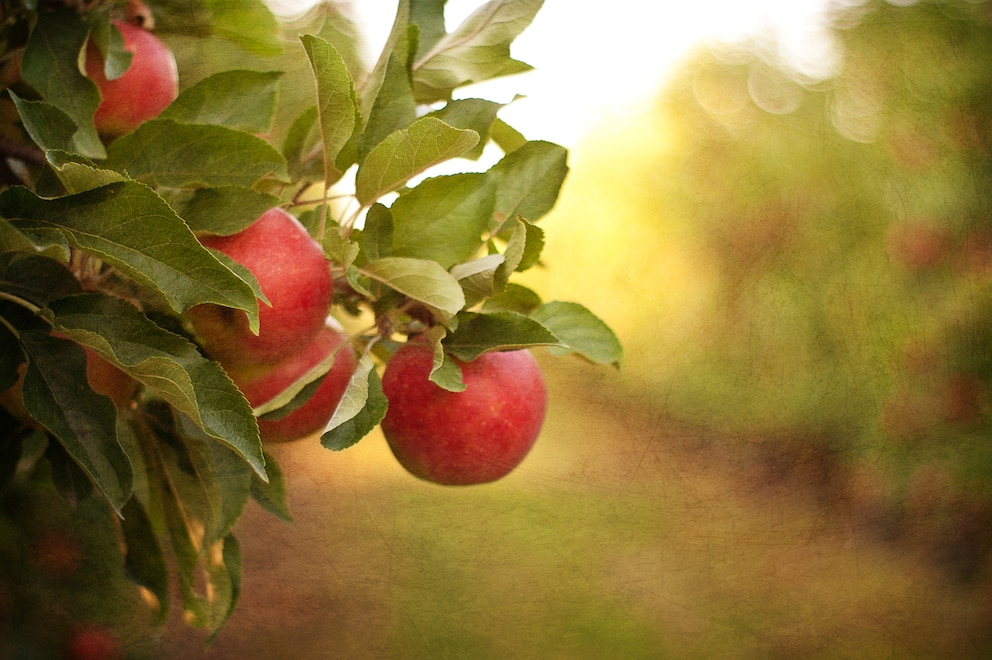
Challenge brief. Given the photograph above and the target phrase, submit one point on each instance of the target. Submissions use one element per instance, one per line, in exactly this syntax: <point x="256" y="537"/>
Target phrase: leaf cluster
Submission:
<point x="99" y="254"/>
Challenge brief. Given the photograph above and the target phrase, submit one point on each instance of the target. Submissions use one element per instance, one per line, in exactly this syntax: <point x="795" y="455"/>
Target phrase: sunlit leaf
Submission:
<point x="408" y="152"/>
<point x="477" y="50"/>
<point x="475" y="114"/>
<point x="581" y="332"/>
<point x="337" y="105"/>
<point x="527" y="181"/>
<point x="362" y="408"/>
<point x="421" y="280"/>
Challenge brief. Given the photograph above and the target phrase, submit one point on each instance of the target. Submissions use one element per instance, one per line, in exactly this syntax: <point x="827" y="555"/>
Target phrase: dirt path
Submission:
<point x="623" y="533"/>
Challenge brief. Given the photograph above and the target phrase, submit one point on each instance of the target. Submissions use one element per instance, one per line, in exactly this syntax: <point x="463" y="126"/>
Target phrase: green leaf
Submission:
<point x="514" y="298"/>
<point x="396" y="41"/>
<point x="408" y="152"/>
<point x="581" y="331"/>
<point x="166" y="363"/>
<point x="421" y="280"/>
<point x="77" y="175"/>
<point x="377" y="235"/>
<point x="36" y="279"/>
<point x="442" y="218"/>
<point x="51" y="66"/>
<point x="479" y="277"/>
<point x="500" y="331"/>
<point x="337" y="105"/>
<point x="301" y="144"/>
<point x="271" y="496"/>
<point x="220" y="210"/>
<point x="144" y="560"/>
<point x="428" y="16"/>
<point x="477" y="50"/>
<point x="247" y="23"/>
<point x="48" y="125"/>
<point x="393" y="108"/>
<point x="506" y="137"/>
<point x="162" y="152"/>
<point x="475" y="114"/>
<point x="130" y="227"/>
<point x="361" y="409"/>
<point x="14" y="240"/>
<point x="84" y="422"/>
<point x="242" y="100"/>
<point x="528" y="180"/>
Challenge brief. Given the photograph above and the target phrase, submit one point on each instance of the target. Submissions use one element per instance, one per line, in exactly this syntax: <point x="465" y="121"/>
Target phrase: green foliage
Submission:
<point x="840" y="241"/>
<point x="100" y="258"/>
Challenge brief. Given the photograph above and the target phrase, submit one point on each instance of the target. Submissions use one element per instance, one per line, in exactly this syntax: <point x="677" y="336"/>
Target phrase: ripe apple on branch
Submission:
<point x="158" y="216"/>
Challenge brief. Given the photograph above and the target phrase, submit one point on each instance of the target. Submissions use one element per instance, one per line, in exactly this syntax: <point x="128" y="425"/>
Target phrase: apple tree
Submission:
<point x="215" y="221"/>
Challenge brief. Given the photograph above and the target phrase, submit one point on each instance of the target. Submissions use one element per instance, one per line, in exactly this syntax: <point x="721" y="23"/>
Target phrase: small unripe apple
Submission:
<point x="293" y="274"/>
<point x="148" y="86"/>
<point x="470" y="437"/>
<point x="262" y="383"/>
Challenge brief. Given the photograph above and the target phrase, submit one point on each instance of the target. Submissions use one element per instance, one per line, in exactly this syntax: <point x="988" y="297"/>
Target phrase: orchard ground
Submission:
<point x="623" y="534"/>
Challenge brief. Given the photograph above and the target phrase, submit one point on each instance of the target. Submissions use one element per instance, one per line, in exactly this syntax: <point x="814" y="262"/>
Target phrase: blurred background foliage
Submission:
<point x="803" y="261"/>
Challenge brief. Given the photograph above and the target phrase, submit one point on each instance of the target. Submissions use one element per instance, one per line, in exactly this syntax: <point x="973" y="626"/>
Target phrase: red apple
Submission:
<point x="292" y="272"/>
<point x="262" y="383"/>
<point x="105" y="378"/>
<point x="148" y="86"/>
<point x="918" y="245"/>
<point x="474" y="436"/>
<point x="92" y="642"/>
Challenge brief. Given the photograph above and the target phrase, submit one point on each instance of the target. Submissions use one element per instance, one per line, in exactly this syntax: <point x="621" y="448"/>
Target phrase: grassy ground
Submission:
<point x="622" y="535"/>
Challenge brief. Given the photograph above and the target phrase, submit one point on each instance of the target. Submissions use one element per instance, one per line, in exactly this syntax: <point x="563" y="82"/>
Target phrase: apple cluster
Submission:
<point x="295" y="334"/>
<point x="477" y="435"/>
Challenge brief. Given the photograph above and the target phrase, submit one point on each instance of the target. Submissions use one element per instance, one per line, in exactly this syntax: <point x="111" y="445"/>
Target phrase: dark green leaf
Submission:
<point x="166" y="363"/>
<point x="130" y="227"/>
<point x="242" y="100"/>
<point x="144" y="560"/>
<point x="162" y="152"/>
<point x="477" y="50"/>
<point x="479" y="333"/>
<point x="581" y="331"/>
<point x="408" y="152"/>
<point x="362" y="408"/>
<point x="84" y="422"/>
<point x="48" y="125"/>
<point x="36" y="279"/>
<point x="271" y="496"/>
<point x="221" y="210"/>
<point x="51" y="66"/>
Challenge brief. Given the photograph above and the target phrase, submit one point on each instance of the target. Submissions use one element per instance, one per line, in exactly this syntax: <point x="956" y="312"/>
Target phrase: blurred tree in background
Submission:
<point x="820" y="260"/>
